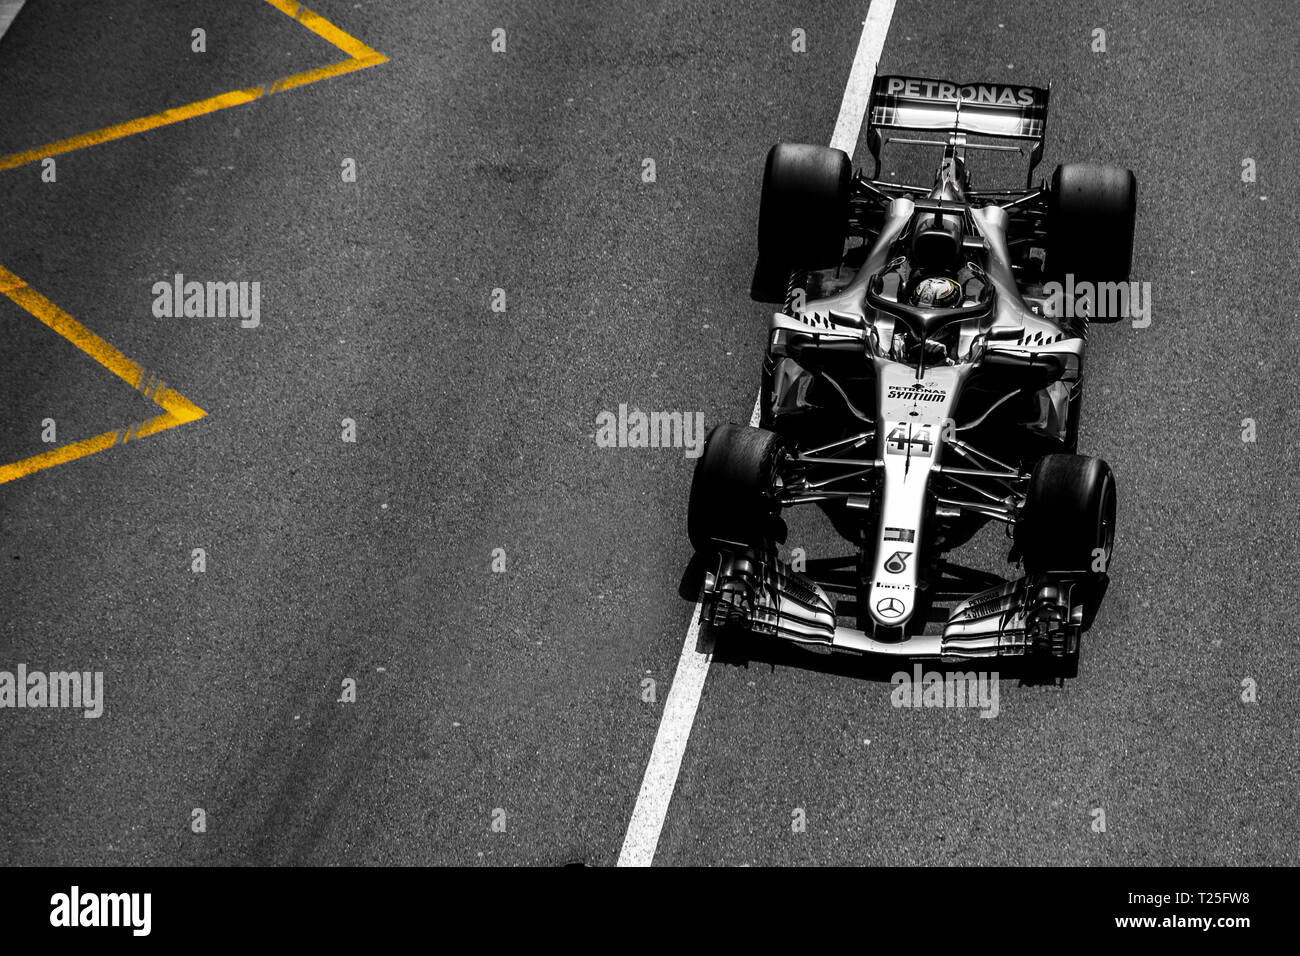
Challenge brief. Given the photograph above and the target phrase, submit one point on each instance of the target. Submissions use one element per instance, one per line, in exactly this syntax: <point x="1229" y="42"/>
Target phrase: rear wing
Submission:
<point x="924" y="105"/>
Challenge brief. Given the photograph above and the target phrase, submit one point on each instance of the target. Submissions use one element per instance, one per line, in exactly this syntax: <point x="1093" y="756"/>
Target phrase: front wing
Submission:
<point x="1037" y="614"/>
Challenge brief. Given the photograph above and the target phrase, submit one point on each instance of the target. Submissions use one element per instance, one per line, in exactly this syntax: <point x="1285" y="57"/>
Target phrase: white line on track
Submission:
<point x="693" y="666"/>
<point x="8" y="11"/>
<point x="848" y="127"/>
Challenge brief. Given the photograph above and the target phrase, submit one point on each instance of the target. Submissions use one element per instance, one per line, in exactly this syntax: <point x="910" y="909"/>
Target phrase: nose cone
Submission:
<point x="891" y="605"/>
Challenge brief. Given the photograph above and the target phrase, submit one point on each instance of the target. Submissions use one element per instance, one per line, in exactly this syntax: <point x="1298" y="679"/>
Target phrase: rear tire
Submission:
<point x="733" y="492"/>
<point x="803" y="215"/>
<point x="1091" y="219"/>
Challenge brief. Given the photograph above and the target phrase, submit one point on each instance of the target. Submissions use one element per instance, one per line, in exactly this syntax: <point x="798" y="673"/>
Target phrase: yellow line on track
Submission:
<point x="360" y="57"/>
<point x="324" y="29"/>
<point x="177" y="409"/>
<point x="131" y="127"/>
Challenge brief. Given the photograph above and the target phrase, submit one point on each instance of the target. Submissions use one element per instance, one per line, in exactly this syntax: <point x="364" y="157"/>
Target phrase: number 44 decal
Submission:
<point x="919" y="437"/>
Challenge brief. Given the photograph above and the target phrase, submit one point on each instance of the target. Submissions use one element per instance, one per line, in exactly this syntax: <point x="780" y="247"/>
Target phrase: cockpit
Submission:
<point x="938" y="296"/>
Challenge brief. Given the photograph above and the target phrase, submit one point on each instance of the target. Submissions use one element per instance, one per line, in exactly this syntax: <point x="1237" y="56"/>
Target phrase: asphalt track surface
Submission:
<point x="482" y="692"/>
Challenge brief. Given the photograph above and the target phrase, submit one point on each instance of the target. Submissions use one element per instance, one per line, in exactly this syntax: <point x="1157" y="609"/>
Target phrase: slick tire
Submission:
<point x="1068" y="521"/>
<point x="803" y="214"/>
<point x="733" y="491"/>
<point x="1092" y="213"/>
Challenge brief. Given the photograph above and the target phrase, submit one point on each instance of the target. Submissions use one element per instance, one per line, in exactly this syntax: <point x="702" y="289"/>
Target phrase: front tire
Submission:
<point x="733" y="492"/>
<point x="1068" y="521"/>
<point x="1066" y="537"/>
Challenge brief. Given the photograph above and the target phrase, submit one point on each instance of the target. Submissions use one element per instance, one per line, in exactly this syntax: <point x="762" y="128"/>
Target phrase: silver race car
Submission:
<point x="923" y="378"/>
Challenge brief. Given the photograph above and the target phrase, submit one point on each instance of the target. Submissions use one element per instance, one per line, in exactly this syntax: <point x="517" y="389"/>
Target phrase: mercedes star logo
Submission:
<point x="890" y="607"/>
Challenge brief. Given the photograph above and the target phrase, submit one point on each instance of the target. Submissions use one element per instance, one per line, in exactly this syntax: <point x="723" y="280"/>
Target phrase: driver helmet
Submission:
<point x="936" y="292"/>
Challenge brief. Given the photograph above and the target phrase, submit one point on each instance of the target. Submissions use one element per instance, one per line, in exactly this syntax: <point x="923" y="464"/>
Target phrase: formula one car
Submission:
<point x="922" y="379"/>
